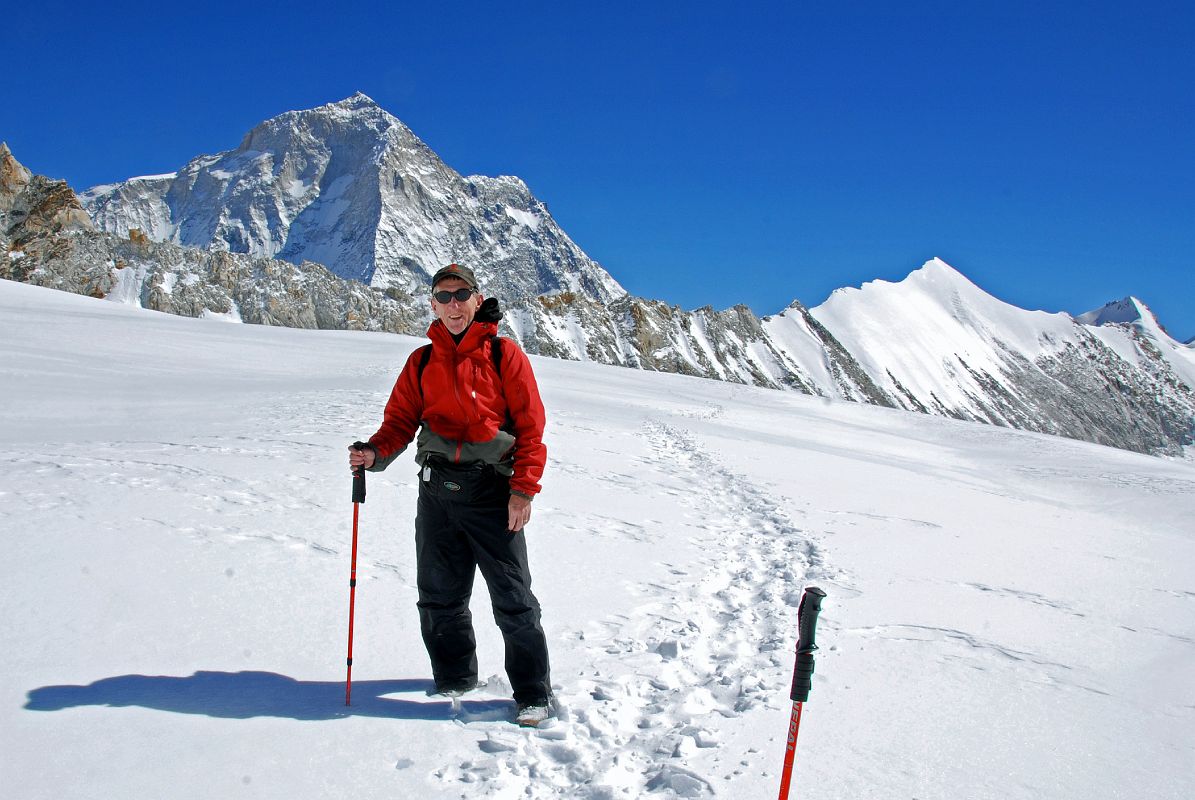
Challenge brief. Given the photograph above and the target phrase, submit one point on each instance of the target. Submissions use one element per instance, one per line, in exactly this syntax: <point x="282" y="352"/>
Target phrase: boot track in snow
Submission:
<point x="696" y="654"/>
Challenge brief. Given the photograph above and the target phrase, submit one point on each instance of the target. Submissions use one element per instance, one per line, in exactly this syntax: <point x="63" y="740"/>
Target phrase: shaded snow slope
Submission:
<point x="1009" y="614"/>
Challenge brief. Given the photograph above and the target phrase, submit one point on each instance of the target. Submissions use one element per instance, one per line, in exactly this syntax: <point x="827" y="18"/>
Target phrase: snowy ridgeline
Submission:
<point x="1009" y="614"/>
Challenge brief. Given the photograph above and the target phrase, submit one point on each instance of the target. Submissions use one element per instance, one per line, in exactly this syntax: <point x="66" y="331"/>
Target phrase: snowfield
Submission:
<point x="1009" y="615"/>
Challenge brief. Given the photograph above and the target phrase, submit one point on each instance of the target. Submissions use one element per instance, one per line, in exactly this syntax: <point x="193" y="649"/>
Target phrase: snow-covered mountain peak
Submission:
<point x="937" y="281"/>
<point x="358" y="100"/>
<point x="934" y="276"/>
<point x="348" y="185"/>
<point x="796" y="306"/>
<point x="937" y="339"/>
<point x="359" y="109"/>
<point x="334" y="126"/>
<point x="1128" y="311"/>
<point x="938" y="273"/>
<point x="933" y="290"/>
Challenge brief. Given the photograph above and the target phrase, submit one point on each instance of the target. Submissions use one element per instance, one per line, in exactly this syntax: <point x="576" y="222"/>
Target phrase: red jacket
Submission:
<point x="464" y="404"/>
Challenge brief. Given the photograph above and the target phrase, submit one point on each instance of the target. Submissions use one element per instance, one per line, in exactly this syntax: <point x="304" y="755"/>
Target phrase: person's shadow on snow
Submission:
<point x="242" y="695"/>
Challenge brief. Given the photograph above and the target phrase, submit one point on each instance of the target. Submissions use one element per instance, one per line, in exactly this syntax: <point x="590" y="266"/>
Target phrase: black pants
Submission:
<point x="460" y="527"/>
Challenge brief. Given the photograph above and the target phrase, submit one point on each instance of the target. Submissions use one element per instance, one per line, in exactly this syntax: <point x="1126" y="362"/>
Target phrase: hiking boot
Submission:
<point x="530" y="715"/>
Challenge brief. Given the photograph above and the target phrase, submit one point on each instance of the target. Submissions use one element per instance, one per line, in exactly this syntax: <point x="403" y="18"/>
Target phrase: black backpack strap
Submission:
<point x="424" y="357"/>
<point x="496" y="354"/>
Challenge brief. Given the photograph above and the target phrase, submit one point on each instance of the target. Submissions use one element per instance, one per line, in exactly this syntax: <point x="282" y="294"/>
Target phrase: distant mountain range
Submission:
<point x="336" y="217"/>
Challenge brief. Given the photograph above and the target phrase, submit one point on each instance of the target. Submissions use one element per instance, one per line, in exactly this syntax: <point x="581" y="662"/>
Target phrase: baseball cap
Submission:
<point x="456" y="271"/>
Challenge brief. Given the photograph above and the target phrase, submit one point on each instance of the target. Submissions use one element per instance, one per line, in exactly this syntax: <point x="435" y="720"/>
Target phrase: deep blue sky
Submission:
<point x="702" y="152"/>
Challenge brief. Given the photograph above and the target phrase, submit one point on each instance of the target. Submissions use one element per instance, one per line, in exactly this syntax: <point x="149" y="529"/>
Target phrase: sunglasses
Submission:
<point x="460" y="295"/>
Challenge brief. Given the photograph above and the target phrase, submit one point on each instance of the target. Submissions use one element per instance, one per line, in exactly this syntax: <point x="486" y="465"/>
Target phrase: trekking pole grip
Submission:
<point x="811" y="605"/>
<point x="359" y="477"/>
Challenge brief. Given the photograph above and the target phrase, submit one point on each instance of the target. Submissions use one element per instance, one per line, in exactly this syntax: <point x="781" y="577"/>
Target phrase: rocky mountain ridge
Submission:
<point x="49" y="240"/>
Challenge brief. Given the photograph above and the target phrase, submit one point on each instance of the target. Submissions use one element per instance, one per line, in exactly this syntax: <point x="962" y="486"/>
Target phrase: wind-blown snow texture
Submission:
<point x="1009" y="614"/>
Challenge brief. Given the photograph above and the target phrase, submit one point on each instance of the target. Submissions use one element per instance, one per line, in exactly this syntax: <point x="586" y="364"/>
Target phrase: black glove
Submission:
<point x="489" y="311"/>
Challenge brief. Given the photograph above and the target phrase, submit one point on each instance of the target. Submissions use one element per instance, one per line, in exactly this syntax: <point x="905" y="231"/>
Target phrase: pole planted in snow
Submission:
<point x="358" y="499"/>
<point x="811" y="604"/>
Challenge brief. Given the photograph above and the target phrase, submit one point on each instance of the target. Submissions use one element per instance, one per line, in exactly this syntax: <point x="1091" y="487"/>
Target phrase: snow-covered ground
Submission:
<point x="1009" y="615"/>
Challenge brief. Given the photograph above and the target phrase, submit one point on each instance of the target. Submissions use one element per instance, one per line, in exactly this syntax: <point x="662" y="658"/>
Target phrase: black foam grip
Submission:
<point x="359" y="477"/>
<point x="811" y="605"/>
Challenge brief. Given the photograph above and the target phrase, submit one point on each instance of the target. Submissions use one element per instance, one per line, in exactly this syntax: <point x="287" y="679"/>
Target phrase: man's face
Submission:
<point x="455" y="315"/>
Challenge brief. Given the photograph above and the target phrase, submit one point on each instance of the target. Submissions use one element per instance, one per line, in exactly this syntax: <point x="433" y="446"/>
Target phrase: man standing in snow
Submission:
<point x="474" y="402"/>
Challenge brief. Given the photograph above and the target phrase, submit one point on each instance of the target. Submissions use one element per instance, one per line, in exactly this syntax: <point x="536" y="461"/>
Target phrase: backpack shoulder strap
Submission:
<point x="424" y="357"/>
<point x="496" y="354"/>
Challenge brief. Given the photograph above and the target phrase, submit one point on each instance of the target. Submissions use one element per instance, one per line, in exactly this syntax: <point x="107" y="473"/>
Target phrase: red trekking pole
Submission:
<point x="811" y="604"/>
<point x="358" y="499"/>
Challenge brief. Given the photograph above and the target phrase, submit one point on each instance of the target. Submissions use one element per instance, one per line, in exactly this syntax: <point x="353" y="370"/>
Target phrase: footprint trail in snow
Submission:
<point x="708" y="642"/>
